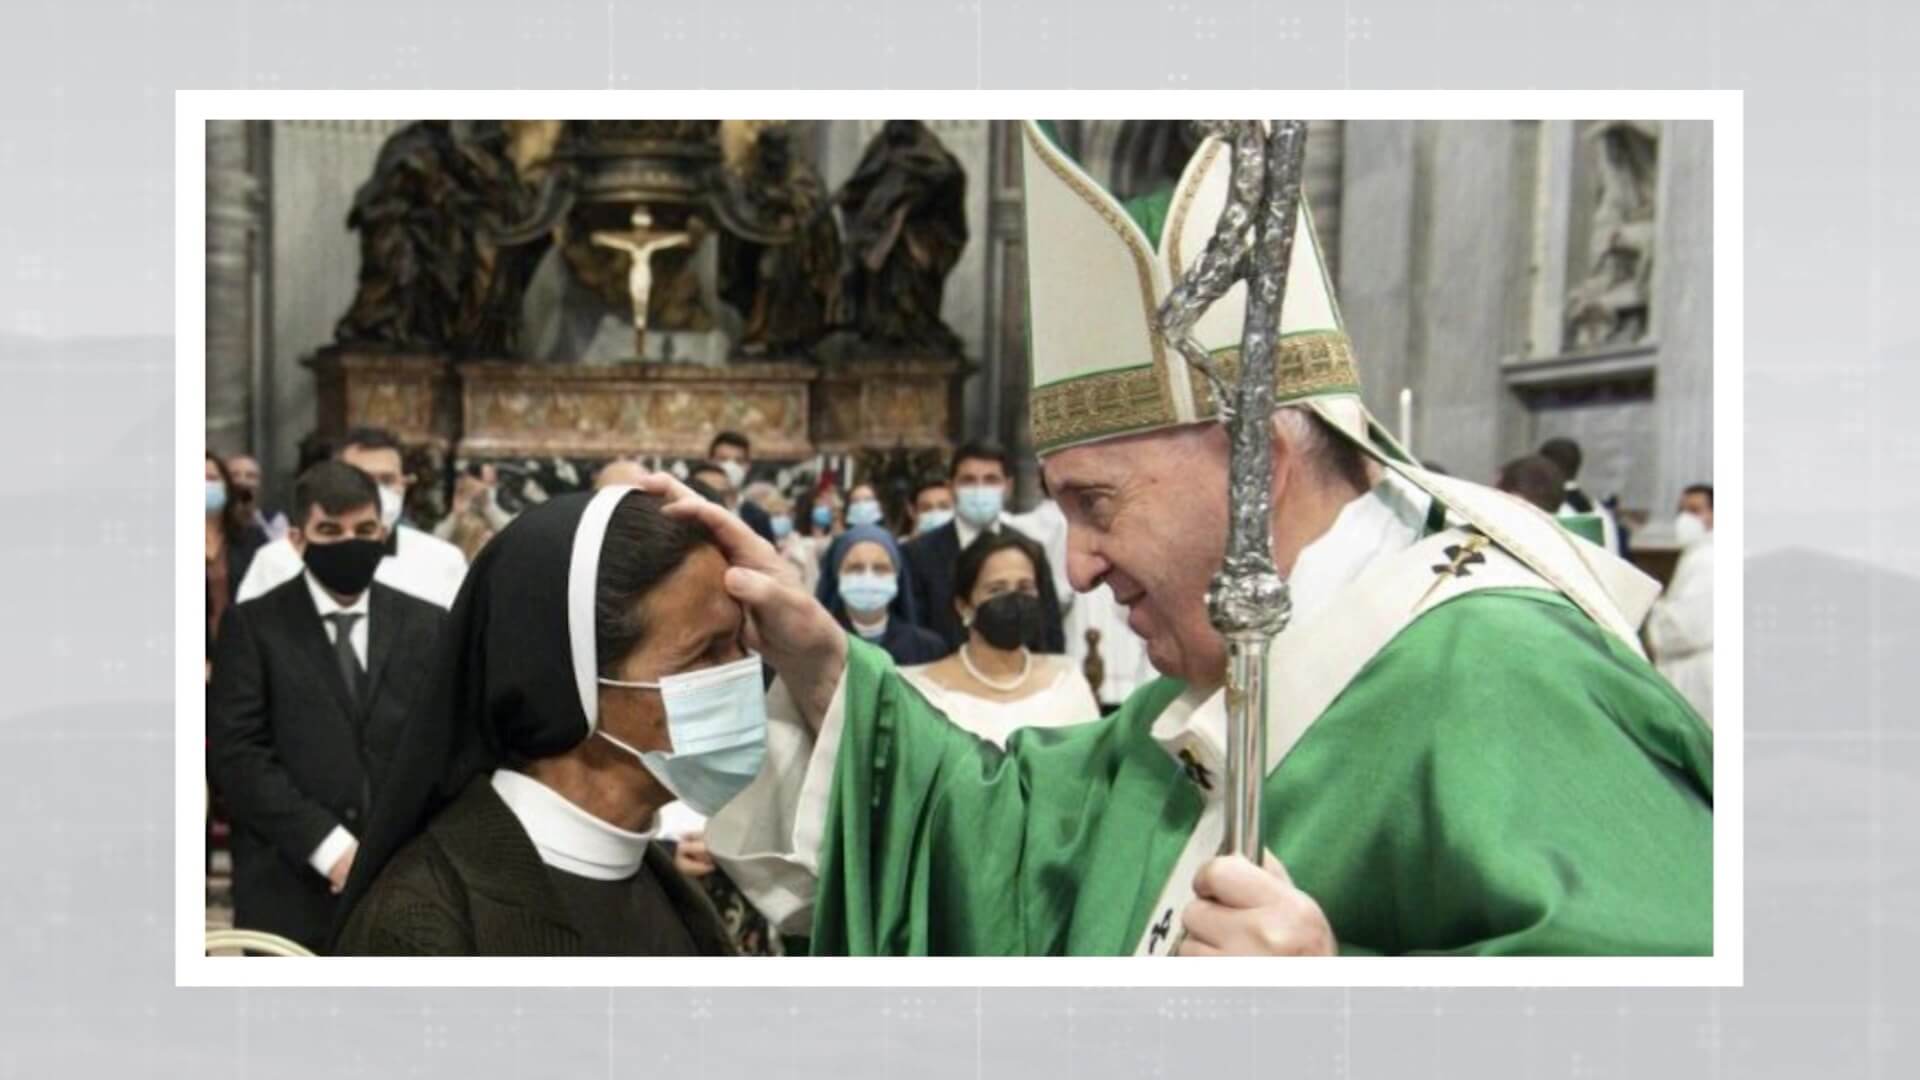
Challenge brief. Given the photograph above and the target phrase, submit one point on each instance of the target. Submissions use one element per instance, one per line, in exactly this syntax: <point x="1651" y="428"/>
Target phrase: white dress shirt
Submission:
<point x="422" y="566"/>
<point x="339" y="840"/>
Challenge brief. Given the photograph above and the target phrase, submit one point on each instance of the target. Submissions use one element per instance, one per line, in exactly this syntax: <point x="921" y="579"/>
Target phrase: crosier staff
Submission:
<point x="1247" y="601"/>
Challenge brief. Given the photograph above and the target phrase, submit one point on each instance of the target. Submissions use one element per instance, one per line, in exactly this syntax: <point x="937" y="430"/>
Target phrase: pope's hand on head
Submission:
<point x="1239" y="909"/>
<point x="785" y="624"/>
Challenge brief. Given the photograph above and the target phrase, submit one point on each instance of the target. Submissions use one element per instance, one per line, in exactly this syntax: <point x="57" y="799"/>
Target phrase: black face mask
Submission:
<point x="345" y="566"/>
<point x="1009" y="620"/>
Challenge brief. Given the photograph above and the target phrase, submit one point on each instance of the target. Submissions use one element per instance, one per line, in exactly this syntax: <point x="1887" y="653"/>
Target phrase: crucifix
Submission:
<point x="640" y="242"/>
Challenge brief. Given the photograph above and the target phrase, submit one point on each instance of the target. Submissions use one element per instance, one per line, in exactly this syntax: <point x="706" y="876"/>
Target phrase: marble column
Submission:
<point x="231" y="222"/>
<point x="1006" y="354"/>
<point x="1683" y="313"/>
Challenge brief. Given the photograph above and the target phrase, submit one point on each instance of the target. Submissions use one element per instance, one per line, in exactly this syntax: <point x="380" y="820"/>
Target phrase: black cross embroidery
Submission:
<point x="1196" y="772"/>
<point x="1459" y="556"/>
<point x="1463" y="556"/>
<point x="1160" y="930"/>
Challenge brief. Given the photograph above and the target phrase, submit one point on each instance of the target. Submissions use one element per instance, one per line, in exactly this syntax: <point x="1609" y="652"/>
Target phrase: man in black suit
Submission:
<point x="311" y="683"/>
<point x="979" y="479"/>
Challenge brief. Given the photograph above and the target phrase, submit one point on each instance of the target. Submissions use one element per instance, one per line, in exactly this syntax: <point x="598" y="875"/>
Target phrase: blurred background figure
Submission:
<point x="863" y="507"/>
<point x="1536" y="479"/>
<point x="1680" y="627"/>
<point x="475" y="514"/>
<point x="622" y="471"/>
<point x="864" y="583"/>
<point x="733" y="453"/>
<point x="932" y="506"/>
<point x="1575" y="502"/>
<point x="997" y="682"/>
<point x="232" y="540"/>
<point x="243" y="476"/>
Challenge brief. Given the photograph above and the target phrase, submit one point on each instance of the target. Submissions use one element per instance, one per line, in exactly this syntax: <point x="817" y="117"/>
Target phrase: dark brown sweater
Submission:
<point x="472" y="884"/>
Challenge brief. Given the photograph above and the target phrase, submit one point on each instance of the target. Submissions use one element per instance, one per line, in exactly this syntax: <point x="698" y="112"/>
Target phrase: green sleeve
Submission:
<point x="938" y="843"/>
<point x="1504" y="778"/>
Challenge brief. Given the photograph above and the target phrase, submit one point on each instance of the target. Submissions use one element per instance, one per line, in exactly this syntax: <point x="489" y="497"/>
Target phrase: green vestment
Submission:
<point x="1502" y="777"/>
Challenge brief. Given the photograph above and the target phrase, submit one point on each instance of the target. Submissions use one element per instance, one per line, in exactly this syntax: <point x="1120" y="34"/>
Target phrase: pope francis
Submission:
<point x="1468" y="752"/>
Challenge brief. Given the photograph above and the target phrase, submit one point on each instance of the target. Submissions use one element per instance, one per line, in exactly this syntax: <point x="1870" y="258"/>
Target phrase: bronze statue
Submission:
<point x="780" y="266"/>
<point x="432" y="276"/>
<point x="906" y="221"/>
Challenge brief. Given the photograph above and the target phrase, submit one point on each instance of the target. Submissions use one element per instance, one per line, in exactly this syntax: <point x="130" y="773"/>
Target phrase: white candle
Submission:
<point x="1406" y="418"/>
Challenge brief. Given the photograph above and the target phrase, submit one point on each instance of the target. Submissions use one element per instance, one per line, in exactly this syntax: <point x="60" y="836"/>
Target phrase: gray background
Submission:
<point x="1833" y="763"/>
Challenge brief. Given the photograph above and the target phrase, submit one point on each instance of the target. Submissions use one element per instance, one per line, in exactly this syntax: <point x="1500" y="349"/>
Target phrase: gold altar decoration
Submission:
<point x="672" y="410"/>
<point x="885" y="403"/>
<point x="409" y="394"/>
<point x="479" y="410"/>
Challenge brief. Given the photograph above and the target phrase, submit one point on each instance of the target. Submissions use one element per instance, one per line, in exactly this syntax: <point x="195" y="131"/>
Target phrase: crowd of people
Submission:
<point x="323" y="618"/>
<point x="392" y="711"/>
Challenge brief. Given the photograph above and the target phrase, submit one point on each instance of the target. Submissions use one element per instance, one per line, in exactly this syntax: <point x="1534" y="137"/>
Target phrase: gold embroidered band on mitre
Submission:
<point x="1123" y="402"/>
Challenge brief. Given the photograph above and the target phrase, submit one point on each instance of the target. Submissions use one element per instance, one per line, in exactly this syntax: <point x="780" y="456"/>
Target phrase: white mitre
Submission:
<point x="1096" y="281"/>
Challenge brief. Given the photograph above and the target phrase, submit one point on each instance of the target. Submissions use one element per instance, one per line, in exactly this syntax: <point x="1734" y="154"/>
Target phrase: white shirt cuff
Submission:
<point x="330" y="850"/>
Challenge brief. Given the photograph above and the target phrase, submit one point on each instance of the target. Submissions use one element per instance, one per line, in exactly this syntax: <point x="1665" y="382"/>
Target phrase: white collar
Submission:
<point x="868" y="633"/>
<point x="324" y="602"/>
<point x="1383" y="521"/>
<point x="968" y="533"/>
<point x="568" y="838"/>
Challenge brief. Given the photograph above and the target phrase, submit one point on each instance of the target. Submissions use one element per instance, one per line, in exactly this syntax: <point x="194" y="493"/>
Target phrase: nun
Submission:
<point x="593" y="670"/>
<point x="864" y="583"/>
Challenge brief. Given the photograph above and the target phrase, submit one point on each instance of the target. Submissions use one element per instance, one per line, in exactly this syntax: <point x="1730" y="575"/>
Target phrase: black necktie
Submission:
<point x="349" y="661"/>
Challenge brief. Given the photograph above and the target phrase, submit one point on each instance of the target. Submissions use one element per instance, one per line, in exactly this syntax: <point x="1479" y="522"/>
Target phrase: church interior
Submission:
<point x="529" y="301"/>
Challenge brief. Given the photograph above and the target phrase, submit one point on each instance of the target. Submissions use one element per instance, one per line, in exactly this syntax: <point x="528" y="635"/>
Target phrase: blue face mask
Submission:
<point x="782" y="526"/>
<point x="216" y="496"/>
<point x="868" y="593"/>
<point x="933" y="519"/>
<point x="717" y="722"/>
<point x="979" y="504"/>
<point x="863" y="512"/>
<point x="823" y="517"/>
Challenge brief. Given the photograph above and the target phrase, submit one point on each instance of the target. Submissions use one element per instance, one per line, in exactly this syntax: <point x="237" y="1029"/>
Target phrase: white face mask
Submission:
<point x="979" y="505"/>
<point x="391" y="503"/>
<point x="717" y="722"/>
<point x="1688" y="529"/>
<point x="736" y="473"/>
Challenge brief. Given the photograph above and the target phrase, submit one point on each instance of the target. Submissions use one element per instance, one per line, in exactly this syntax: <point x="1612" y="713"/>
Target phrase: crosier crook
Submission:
<point x="1247" y="600"/>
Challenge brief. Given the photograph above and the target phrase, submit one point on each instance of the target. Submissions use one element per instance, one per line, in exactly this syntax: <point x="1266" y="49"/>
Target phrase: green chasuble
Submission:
<point x="1501" y="778"/>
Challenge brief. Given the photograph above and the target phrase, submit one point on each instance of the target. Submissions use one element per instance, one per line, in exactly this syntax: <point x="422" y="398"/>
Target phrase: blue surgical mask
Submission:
<point x="782" y="526"/>
<point x="933" y="519"/>
<point x="979" y="505"/>
<point x="868" y="593"/>
<point x="717" y="722"/>
<point x="863" y="512"/>
<point x="823" y="517"/>
<point x="216" y="496"/>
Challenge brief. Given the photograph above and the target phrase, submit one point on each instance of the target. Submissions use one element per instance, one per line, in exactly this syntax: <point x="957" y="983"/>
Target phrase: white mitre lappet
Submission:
<point x="1096" y="280"/>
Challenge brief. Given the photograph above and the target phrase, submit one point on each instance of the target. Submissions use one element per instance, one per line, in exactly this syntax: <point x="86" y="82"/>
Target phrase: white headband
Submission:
<point x="583" y="576"/>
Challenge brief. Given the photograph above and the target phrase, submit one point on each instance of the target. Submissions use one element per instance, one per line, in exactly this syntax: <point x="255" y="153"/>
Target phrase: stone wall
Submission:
<point x="316" y="166"/>
<point x="1455" y="261"/>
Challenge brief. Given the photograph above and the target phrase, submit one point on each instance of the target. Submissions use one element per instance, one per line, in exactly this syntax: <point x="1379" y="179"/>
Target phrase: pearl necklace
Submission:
<point x="1026" y="668"/>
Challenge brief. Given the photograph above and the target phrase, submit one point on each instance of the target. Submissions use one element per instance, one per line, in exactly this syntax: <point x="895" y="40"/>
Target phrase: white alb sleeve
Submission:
<point x="768" y="838"/>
